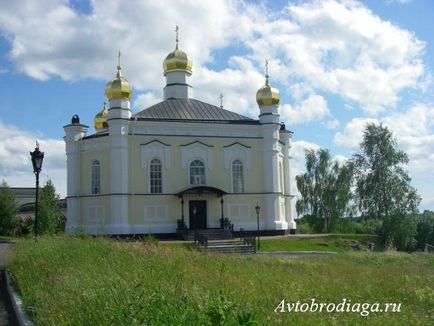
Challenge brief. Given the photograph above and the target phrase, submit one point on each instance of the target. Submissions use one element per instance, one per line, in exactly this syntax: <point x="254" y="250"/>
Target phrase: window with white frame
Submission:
<point x="156" y="176"/>
<point x="156" y="212"/>
<point x="197" y="173"/>
<point x="237" y="177"/>
<point x="96" y="178"/>
<point x="239" y="211"/>
<point x="95" y="213"/>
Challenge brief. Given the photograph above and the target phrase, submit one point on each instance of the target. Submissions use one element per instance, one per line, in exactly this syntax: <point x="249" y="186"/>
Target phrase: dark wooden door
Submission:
<point x="197" y="220"/>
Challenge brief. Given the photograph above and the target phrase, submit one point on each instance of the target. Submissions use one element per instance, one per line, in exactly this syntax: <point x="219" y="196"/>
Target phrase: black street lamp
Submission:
<point x="258" y="210"/>
<point x="37" y="158"/>
<point x="194" y="223"/>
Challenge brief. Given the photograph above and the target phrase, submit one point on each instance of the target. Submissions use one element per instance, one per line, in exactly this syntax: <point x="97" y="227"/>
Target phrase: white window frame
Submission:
<point x="95" y="213"/>
<point x="243" y="187"/>
<point x="95" y="177"/>
<point x="196" y="177"/>
<point x="238" y="207"/>
<point x="154" y="218"/>
<point x="150" y="175"/>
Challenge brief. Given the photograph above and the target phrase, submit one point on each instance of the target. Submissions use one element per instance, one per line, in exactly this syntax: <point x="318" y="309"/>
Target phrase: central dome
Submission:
<point x="118" y="88"/>
<point x="267" y="95"/>
<point x="177" y="60"/>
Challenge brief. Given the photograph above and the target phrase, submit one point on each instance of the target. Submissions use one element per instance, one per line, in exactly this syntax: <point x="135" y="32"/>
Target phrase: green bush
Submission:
<point x="425" y="230"/>
<point x="8" y="210"/>
<point x="304" y="228"/>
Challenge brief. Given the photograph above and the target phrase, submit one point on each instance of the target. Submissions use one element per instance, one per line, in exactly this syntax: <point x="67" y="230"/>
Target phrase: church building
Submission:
<point x="180" y="164"/>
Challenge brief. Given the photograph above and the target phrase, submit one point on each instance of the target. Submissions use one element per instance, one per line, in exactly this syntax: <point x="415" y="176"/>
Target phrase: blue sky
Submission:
<point x="337" y="64"/>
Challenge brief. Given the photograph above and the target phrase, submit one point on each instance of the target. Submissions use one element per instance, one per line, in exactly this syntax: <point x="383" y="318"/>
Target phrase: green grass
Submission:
<point x="331" y="243"/>
<point x="97" y="281"/>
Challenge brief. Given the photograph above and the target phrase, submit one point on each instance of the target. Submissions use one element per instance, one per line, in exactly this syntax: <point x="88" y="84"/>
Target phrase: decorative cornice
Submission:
<point x="153" y="141"/>
<point x="197" y="141"/>
<point x="236" y="143"/>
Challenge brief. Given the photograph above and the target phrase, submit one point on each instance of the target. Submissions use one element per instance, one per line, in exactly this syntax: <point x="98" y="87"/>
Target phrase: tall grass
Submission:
<point x="97" y="281"/>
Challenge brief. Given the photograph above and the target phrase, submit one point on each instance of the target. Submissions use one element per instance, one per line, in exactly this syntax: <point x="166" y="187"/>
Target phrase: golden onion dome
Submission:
<point x="267" y="95"/>
<point x="100" y="121"/>
<point x="118" y="88"/>
<point x="177" y="60"/>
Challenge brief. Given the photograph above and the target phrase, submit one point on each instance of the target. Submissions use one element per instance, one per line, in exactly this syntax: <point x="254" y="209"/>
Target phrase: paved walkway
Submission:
<point x="7" y="316"/>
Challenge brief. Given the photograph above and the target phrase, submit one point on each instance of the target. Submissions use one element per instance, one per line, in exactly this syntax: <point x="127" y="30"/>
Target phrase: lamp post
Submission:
<point x="258" y="210"/>
<point x="37" y="158"/>
<point x="194" y="222"/>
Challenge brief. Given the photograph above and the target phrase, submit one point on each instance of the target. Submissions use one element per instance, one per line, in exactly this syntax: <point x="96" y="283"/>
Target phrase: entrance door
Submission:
<point x="198" y="220"/>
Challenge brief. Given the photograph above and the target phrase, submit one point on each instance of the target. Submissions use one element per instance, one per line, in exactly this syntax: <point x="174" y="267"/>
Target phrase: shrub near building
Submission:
<point x="8" y="210"/>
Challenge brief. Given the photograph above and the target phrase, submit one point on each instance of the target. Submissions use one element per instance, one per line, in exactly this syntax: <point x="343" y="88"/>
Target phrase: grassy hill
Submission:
<point x="97" y="281"/>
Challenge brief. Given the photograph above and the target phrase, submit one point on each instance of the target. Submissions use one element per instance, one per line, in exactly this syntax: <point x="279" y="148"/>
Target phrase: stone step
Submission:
<point x="228" y="249"/>
<point x="211" y="234"/>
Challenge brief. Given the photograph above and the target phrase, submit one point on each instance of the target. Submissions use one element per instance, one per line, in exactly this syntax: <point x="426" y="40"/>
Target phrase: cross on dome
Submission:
<point x="177" y="34"/>
<point x="266" y="72"/>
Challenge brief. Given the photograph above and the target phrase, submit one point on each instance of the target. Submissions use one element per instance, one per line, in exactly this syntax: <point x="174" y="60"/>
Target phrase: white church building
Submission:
<point x="178" y="164"/>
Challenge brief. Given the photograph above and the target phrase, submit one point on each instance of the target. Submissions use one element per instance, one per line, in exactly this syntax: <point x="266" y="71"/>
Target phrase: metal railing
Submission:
<point x="248" y="239"/>
<point x="429" y="248"/>
<point x="202" y="240"/>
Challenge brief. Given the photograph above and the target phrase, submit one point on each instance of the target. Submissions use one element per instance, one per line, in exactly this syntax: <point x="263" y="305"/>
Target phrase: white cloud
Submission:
<point x="352" y="134"/>
<point x="402" y="2"/>
<point x="331" y="124"/>
<point x="313" y="108"/>
<point x="16" y="166"/>
<point x="415" y="133"/>
<point x="413" y="130"/>
<point x="145" y="100"/>
<point x="343" y="48"/>
<point x="332" y="46"/>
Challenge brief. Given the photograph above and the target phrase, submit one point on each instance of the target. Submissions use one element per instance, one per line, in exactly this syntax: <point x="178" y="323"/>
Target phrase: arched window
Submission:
<point x="197" y="173"/>
<point x="96" y="178"/>
<point x="237" y="176"/>
<point x="156" y="176"/>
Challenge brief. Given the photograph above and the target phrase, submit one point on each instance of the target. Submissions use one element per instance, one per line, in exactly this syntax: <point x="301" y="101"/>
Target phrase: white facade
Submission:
<point x="155" y="166"/>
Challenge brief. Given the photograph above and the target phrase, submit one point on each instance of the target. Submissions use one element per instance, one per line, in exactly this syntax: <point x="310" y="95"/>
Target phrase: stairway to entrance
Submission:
<point x="211" y="234"/>
<point x="226" y="247"/>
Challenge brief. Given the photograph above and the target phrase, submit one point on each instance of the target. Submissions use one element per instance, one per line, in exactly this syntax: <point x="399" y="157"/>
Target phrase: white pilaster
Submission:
<point x="270" y="132"/>
<point x="286" y="138"/>
<point x="119" y="121"/>
<point x="74" y="132"/>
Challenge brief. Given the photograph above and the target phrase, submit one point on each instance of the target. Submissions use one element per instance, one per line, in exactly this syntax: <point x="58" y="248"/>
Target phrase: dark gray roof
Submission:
<point x="191" y="110"/>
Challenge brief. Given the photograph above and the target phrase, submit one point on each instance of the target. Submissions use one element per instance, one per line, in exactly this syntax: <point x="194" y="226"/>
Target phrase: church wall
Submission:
<point x="95" y="214"/>
<point x="176" y="172"/>
<point x="95" y="151"/>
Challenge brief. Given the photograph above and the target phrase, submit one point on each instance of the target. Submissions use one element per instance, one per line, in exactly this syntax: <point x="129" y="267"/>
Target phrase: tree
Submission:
<point x="425" y="230"/>
<point x="50" y="214"/>
<point x="383" y="187"/>
<point x="8" y="209"/>
<point x="325" y="188"/>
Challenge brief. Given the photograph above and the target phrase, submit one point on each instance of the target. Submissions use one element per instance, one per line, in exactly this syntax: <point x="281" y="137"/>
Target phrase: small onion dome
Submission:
<point x="267" y="95"/>
<point x="118" y="88"/>
<point x="177" y="60"/>
<point x="100" y="121"/>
